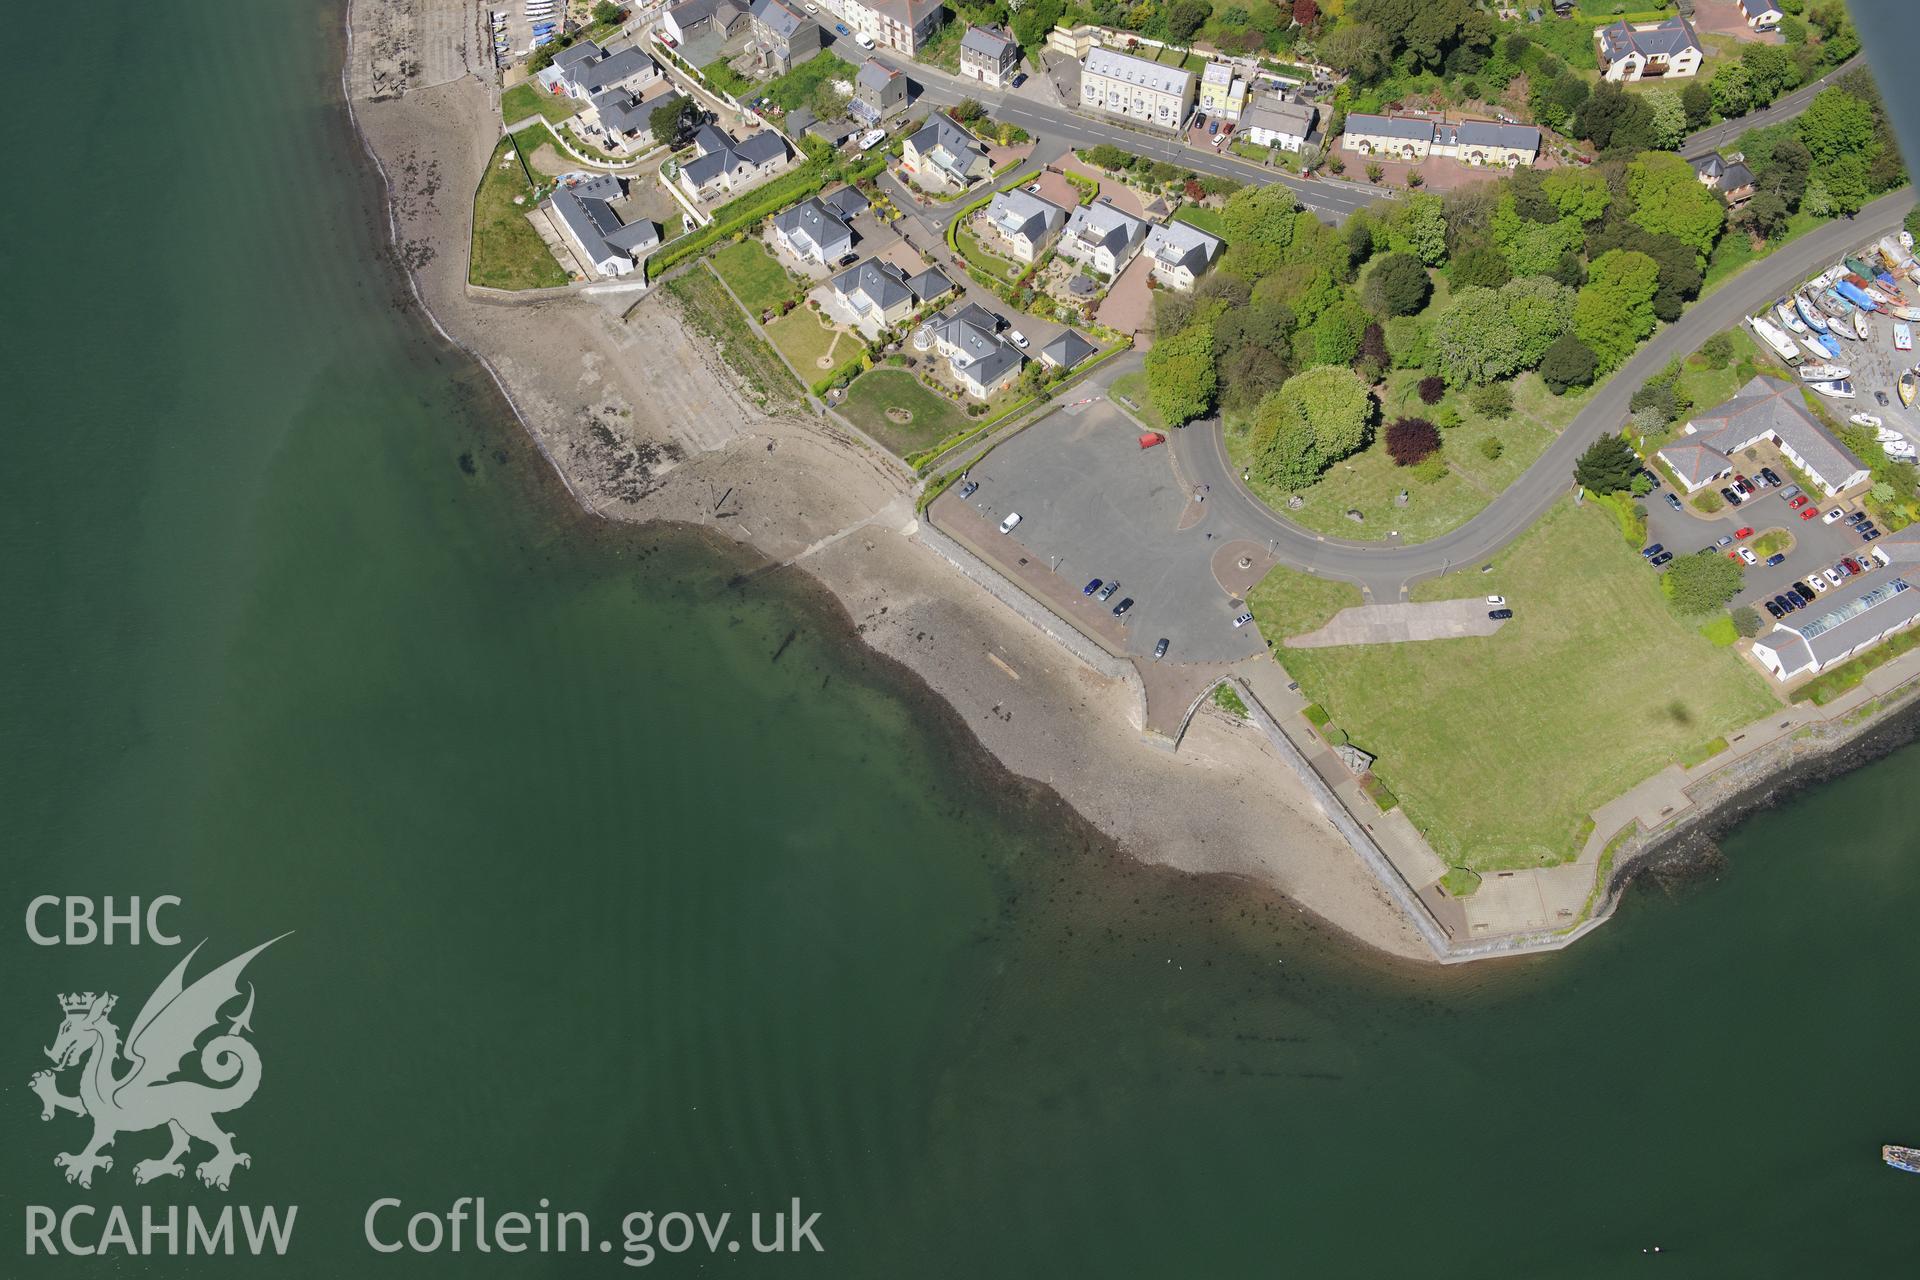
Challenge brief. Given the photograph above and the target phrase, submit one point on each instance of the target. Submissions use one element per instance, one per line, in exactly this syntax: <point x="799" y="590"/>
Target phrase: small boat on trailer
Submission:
<point x="1865" y="420"/>
<point x="1817" y="351"/>
<point x="1860" y="327"/>
<point x="1824" y="373"/>
<point x="1775" y="338"/>
<point x="1902" y="336"/>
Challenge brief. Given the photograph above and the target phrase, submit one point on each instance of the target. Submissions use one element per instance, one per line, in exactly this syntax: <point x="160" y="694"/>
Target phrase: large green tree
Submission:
<point x="1669" y="123"/>
<point x="1578" y="193"/>
<point x="1615" y="308"/>
<point x="1533" y="248"/>
<point x="1668" y="199"/>
<point x="1473" y="341"/>
<point x="1568" y="363"/>
<point x="1396" y="285"/>
<point x="1180" y="374"/>
<point x="1311" y="422"/>
<point x="1259" y="224"/>
<point x="1608" y="466"/>
<point x="1731" y="90"/>
<point x="1417" y="224"/>
<point x="1539" y="310"/>
<point x="1701" y="583"/>
<point x="1836" y="123"/>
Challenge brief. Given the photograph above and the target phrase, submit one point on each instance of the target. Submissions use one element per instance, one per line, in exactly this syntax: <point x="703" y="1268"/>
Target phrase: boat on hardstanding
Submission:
<point x="1828" y="343"/>
<point x="1905" y="1159"/>
<point x="1833" y="304"/>
<point x="1775" y="338"/>
<point x="1789" y="317"/>
<point x="1860" y="328"/>
<point x="1909" y="384"/>
<point x="1856" y="293"/>
<point x="1817" y="351"/>
<point x="1902" y="336"/>
<point x="1834" y="390"/>
<point x="1824" y="372"/>
<point x="1867" y="420"/>
<point x="1904" y="313"/>
<point x="1810" y="313"/>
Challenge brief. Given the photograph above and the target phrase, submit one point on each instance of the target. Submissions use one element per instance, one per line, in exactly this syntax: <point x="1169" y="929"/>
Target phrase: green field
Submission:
<point x="507" y="252"/>
<point x="755" y="275"/>
<point x="710" y="311"/>
<point x="529" y="99"/>
<point x="1288" y="602"/>
<point x="795" y="89"/>
<point x="873" y="393"/>
<point x="1132" y="387"/>
<point x="1369" y="480"/>
<point x="975" y="251"/>
<point x="806" y="340"/>
<point x="1500" y="747"/>
<point x="1206" y="219"/>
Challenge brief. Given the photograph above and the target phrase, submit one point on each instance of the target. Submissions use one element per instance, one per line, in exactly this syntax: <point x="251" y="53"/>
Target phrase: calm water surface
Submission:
<point x="596" y="901"/>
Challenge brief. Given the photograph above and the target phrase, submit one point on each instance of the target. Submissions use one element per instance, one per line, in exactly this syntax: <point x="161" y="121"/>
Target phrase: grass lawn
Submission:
<point x="528" y="99"/>
<point x="794" y="89"/>
<point x="708" y="309"/>
<point x="1132" y="388"/>
<point x="808" y="341"/>
<point x="1773" y="542"/>
<point x="873" y="393"/>
<point x="755" y="275"/>
<point x="976" y="252"/>
<point x="1369" y="480"/>
<point x="1288" y="602"/>
<point x="507" y="252"/>
<point x="1206" y="219"/>
<point x="1499" y="747"/>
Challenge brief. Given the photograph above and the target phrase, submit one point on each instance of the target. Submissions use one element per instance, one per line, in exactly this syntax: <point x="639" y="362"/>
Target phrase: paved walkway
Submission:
<point x="1401" y="622"/>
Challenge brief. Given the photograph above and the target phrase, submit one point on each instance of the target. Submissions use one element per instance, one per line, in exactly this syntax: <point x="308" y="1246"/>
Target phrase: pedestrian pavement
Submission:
<point x="1401" y="622"/>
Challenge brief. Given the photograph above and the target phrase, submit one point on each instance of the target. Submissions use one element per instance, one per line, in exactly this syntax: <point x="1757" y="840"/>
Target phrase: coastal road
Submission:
<point x="1785" y="107"/>
<point x="1385" y="568"/>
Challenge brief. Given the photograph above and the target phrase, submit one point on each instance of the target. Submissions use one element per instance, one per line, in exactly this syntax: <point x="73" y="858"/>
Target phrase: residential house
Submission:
<point x="584" y="210"/>
<point x="1729" y="176"/>
<point x="1026" y="224"/>
<point x="980" y="360"/>
<point x="696" y="18"/>
<point x="1414" y="138"/>
<point x="820" y="229"/>
<point x="1804" y="643"/>
<point x="941" y="156"/>
<point x="722" y="164"/>
<point x="1223" y="91"/>
<point x="625" y="118"/>
<point x="585" y="72"/>
<point x="552" y="77"/>
<point x="1640" y="51"/>
<point x="989" y="55"/>
<point x="1135" y="88"/>
<point x="1181" y="253"/>
<point x="1102" y="237"/>
<point x="784" y="36"/>
<point x="1271" y="121"/>
<point x="1761" y="15"/>
<point x="1765" y="409"/>
<point x="881" y="292"/>
<point x="897" y="24"/>
<point x="1066" y="351"/>
<point x="878" y="91"/>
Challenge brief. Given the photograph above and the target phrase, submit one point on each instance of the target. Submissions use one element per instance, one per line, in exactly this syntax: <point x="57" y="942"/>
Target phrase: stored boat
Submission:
<point x="1909" y="384"/>
<point x="1817" y="351"/>
<point x="1860" y="267"/>
<point x="1855" y="294"/>
<point x="1794" y="323"/>
<point x="1824" y="372"/>
<point x="1860" y="328"/>
<point x="1866" y="420"/>
<point x="1834" y="390"/>
<point x="1810" y="314"/>
<point x="1833" y="304"/>
<point x="1773" y="337"/>
<point x="1904" y="312"/>
<point x="1827" y="343"/>
<point x="1902" y="336"/>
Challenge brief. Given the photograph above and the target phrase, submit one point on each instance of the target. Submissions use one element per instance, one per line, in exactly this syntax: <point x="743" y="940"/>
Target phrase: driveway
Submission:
<point x="1401" y="622"/>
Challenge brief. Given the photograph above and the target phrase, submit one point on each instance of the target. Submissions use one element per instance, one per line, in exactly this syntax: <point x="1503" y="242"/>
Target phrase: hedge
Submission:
<point x="738" y="214"/>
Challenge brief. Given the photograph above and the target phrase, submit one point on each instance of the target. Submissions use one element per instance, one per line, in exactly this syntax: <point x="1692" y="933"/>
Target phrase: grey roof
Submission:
<point x="1269" y="111"/>
<point x="1068" y="350"/>
<point x="1902" y="546"/>
<point x="847" y="202"/>
<point x="1102" y="224"/>
<point x="625" y="112"/>
<point x="1840" y="631"/>
<point x="776" y="17"/>
<point x="979" y="317"/>
<point x="874" y="75"/>
<point x="1755" y="8"/>
<point x="908" y="13"/>
<point x="883" y="284"/>
<point x="1491" y="133"/>
<point x="1662" y="39"/>
<point x="694" y="12"/>
<point x="1183" y="244"/>
<point x="1695" y="463"/>
<point x="940" y="132"/>
<point x="1136" y="71"/>
<point x="711" y="138"/>
<point x="574" y="52"/>
<point x="596" y="75"/>
<point x="813" y="221"/>
<point x="1021" y="213"/>
<point x="761" y="148"/>
<point x="930" y="284"/>
<point x="704" y="169"/>
<point x="1390" y="127"/>
<point x="982" y="356"/>
<point x="585" y="209"/>
<point x="1709" y="165"/>
<point x="1736" y="177"/>
<point x="989" y="42"/>
<point x="1768" y="406"/>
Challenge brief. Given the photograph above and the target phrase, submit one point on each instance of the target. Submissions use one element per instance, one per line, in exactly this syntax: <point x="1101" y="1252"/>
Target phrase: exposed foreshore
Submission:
<point x="642" y="422"/>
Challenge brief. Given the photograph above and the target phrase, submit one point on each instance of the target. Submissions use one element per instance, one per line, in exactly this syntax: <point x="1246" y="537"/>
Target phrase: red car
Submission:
<point x="1799" y="500"/>
<point x="1743" y="533"/>
<point x="1808" y="513"/>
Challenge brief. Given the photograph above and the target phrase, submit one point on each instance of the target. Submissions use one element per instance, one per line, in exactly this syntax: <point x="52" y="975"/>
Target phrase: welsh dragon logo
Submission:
<point x="147" y="1096"/>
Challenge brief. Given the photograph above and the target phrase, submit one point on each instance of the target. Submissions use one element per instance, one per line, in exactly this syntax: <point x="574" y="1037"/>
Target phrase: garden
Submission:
<point x="901" y="412"/>
<point x="756" y="276"/>
<point x="507" y="252"/>
<point x="819" y="349"/>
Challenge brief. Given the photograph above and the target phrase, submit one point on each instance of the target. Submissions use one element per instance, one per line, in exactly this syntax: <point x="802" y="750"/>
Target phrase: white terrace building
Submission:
<point x="1121" y="85"/>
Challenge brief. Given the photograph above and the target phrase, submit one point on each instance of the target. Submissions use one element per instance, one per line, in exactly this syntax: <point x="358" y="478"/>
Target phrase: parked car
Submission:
<point x="1661" y="559"/>
<point x="1806" y="590"/>
<point x="1851" y="565"/>
<point x="1833" y="515"/>
<point x="864" y="40"/>
<point x="1012" y="520"/>
<point x="1019" y="338"/>
<point x="970" y="488"/>
<point x="1819" y="584"/>
<point x="1496" y="600"/>
<point x="1674" y="502"/>
<point x="1242" y="620"/>
<point x="1856" y="518"/>
<point x="1732" y="496"/>
<point x="1774" y="609"/>
<point x="1833" y="576"/>
<point x="1743" y="484"/>
<point x="1880" y="398"/>
<point x="1724" y="540"/>
<point x="1500" y="615"/>
<point x="1213" y="128"/>
<point x="1868" y="533"/>
<point x="1783" y="604"/>
<point x="840" y="29"/>
<point x="1777" y="558"/>
<point x="1653" y="477"/>
<point x="1160" y="650"/>
<point x="1120" y="610"/>
<point x="1791" y="492"/>
<point x="1808" y="513"/>
<point x="1770" y="475"/>
<point x="1091" y="587"/>
<point x="1746" y="553"/>
<point x="1743" y="532"/>
<point x="1106" y="592"/>
<point x="1797" y="501"/>
<point x="1654" y="550"/>
<point x="1795" y="599"/>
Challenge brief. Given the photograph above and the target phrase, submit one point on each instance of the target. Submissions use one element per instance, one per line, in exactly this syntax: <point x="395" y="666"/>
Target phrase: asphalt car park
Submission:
<point x="1094" y="504"/>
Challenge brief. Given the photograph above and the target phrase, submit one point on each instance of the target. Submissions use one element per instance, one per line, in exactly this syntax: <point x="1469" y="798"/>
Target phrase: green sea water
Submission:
<point x="602" y="892"/>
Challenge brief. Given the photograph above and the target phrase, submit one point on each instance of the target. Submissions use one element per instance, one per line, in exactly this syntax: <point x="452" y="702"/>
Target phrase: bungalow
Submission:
<point x="722" y="164"/>
<point x="1639" y="51"/>
<point x="1272" y="121"/>
<point x="696" y="18"/>
<point x="879" y="291"/>
<point x="1408" y="138"/>
<point x="989" y="55"/>
<point x="980" y="360"/>
<point x="1764" y="409"/>
<point x="1806" y="644"/>
<point x="1181" y="253"/>
<point x="1102" y="237"/>
<point x="1026" y="224"/>
<point x="784" y="36"/>
<point x="941" y="156"/>
<point x="1761" y="15"/>
<point x="878" y="91"/>
<point x="1066" y="351"/>
<point x="818" y="229"/>
<point x="584" y="210"/>
<point x="1730" y="177"/>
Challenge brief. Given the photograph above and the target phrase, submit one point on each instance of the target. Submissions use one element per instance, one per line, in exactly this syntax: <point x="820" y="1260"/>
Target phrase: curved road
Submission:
<point x="1785" y="107"/>
<point x="1384" y="569"/>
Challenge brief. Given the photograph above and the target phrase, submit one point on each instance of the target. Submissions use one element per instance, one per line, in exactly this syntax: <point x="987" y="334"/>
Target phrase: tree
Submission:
<point x="1614" y="120"/>
<point x="1765" y="215"/>
<point x="1316" y="419"/>
<point x="1717" y="352"/>
<point x="1259" y="224"/>
<point x="1184" y="17"/>
<point x="1847" y="181"/>
<point x="1180" y="376"/>
<point x="827" y="102"/>
<point x="1615" y="309"/>
<point x="1375" y="172"/>
<point x="1482" y="264"/>
<point x="1701" y="583"/>
<point x="1731" y="90"/>
<point x="1337" y="333"/>
<point x="1834" y="124"/>
<point x="1746" y="621"/>
<point x="606" y="13"/>
<point x="1569" y="362"/>
<point x="1396" y="285"/>
<point x="1817" y="201"/>
<point x="1578" y="193"/>
<point x="1358" y="49"/>
<point x="1770" y="71"/>
<point x="1668" y="199"/>
<point x="1034" y="20"/>
<point x="1432" y="388"/>
<point x="1417" y="224"/>
<point x="1697" y="101"/>
<point x="1472" y="340"/>
<point x="1533" y="248"/>
<point x="1495" y="400"/>
<point x="1411" y="440"/>
<point x="674" y="119"/>
<point x="1538" y="310"/>
<point x="1306" y="12"/>
<point x="968" y="110"/>
<point x="1374" y="358"/>
<point x="1608" y="466"/>
<point x="1913" y="222"/>
<point x="1669" y="121"/>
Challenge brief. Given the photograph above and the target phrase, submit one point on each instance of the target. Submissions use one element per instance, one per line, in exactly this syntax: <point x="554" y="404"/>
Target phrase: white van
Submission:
<point x="864" y="40"/>
<point x="1007" y="525"/>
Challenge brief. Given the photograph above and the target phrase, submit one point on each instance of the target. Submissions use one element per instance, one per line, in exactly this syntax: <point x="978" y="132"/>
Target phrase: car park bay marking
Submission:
<point x="996" y="660"/>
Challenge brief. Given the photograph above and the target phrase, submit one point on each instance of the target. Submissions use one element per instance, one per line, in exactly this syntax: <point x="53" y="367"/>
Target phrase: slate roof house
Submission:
<point x="898" y="24"/>
<point x="1413" y="138"/>
<point x="1639" y="51"/>
<point x="878" y="92"/>
<point x="696" y="18"/>
<point x="942" y="156"/>
<point x="1764" y="409"/>
<point x="818" y="229"/>
<point x="1102" y="237"/>
<point x="989" y="55"/>
<point x="1805" y="644"/>
<point x="879" y="291"/>
<point x="1731" y="178"/>
<point x="1025" y="223"/>
<point x="585" y="213"/>
<point x="1066" y="351"/>
<point x="1272" y="121"/>
<point x="979" y="359"/>
<point x="722" y="164"/>
<point x="784" y="35"/>
<point x="1136" y="88"/>
<point x="1761" y="15"/>
<point x="1181" y="253"/>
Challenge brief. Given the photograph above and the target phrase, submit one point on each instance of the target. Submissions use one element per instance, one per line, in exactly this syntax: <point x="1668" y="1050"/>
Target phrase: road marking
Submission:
<point x="994" y="658"/>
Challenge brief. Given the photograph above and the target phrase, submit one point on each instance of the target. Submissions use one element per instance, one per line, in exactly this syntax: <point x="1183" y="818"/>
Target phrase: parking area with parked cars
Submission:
<point x="1102" y="518"/>
<point x="1796" y="547"/>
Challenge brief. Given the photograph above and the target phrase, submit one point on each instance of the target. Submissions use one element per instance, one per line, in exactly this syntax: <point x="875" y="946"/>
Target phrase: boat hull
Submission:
<point x="1909" y="384"/>
<point x="1810" y="314"/>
